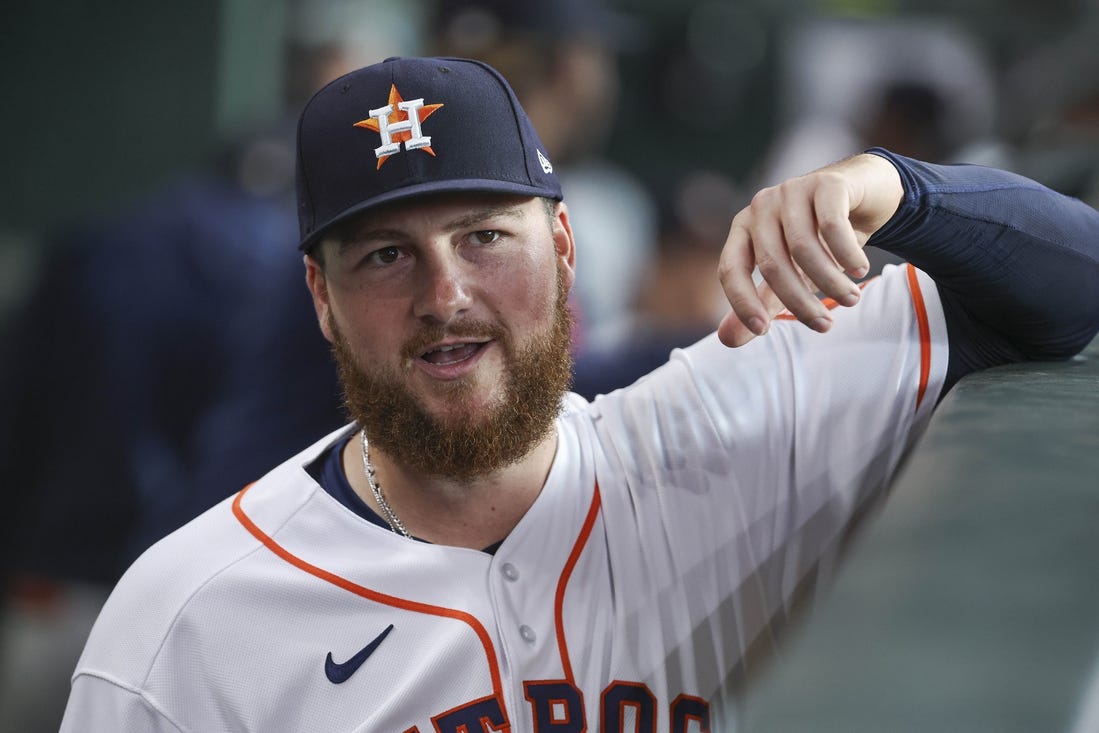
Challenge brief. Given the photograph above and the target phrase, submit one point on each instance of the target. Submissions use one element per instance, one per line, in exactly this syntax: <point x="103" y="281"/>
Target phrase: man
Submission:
<point x="481" y="551"/>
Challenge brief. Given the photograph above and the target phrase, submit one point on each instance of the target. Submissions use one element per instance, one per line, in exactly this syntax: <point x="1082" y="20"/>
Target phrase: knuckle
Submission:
<point x="831" y="223"/>
<point x="725" y="270"/>
<point x="800" y="243"/>
<point x="768" y="265"/>
<point x="742" y="303"/>
<point x="765" y="197"/>
<point x="797" y="188"/>
<point x="828" y="177"/>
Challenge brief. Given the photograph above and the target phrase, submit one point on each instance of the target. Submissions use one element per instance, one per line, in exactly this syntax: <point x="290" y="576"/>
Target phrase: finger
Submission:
<point x="735" y="273"/>
<point x="732" y="331"/>
<point x="778" y="269"/>
<point x="810" y="254"/>
<point x="832" y="205"/>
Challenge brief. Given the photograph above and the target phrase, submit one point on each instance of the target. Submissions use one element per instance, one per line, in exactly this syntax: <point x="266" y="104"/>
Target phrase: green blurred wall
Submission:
<point x="103" y="100"/>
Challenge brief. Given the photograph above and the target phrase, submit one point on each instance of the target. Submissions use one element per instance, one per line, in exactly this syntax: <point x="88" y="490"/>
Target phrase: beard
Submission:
<point x="460" y="445"/>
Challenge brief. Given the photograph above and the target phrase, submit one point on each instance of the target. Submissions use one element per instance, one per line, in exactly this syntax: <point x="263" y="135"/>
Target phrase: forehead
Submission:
<point x="445" y="209"/>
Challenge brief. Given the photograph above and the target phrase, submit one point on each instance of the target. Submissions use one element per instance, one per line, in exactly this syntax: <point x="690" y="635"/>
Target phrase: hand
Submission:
<point x="806" y="236"/>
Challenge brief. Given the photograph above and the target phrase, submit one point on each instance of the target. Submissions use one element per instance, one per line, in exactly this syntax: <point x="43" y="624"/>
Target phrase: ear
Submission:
<point x="563" y="243"/>
<point x="318" y="287"/>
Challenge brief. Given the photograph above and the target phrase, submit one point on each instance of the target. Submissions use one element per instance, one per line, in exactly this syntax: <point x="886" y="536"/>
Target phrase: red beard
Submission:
<point x="538" y="375"/>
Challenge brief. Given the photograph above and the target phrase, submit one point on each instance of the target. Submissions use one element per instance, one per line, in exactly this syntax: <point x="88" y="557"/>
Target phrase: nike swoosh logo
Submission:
<point x="340" y="673"/>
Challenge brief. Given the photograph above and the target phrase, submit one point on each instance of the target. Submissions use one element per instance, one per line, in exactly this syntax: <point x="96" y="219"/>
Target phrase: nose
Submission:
<point x="442" y="288"/>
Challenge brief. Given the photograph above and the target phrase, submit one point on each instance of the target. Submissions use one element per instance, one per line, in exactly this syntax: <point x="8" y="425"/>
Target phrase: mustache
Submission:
<point x="469" y="328"/>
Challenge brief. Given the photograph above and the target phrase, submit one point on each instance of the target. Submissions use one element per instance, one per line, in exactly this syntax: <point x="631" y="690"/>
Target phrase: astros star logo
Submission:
<point x="387" y="122"/>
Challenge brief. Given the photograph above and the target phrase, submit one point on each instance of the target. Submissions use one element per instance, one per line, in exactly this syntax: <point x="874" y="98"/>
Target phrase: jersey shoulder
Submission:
<point x="148" y="602"/>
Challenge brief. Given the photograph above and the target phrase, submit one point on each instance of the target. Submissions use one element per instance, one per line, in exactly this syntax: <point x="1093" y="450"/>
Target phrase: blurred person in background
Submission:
<point x="117" y="354"/>
<point x="124" y="344"/>
<point x="1052" y="118"/>
<point x="679" y="298"/>
<point x="921" y="87"/>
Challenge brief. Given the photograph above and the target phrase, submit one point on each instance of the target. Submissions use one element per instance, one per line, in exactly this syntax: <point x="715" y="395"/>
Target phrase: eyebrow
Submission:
<point x="480" y="214"/>
<point x="484" y="213"/>
<point x="359" y="238"/>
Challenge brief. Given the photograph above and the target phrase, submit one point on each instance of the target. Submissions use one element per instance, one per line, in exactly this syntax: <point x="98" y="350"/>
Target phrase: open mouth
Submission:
<point x="452" y="353"/>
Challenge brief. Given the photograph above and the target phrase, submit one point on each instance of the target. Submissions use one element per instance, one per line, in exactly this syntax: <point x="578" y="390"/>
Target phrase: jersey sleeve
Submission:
<point x="98" y="704"/>
<point x="743" y="468"/>
<point x="1016" y="264"/>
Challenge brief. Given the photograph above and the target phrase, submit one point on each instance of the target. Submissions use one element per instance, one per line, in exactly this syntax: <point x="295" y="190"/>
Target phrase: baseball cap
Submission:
<point x="408" y="127"/>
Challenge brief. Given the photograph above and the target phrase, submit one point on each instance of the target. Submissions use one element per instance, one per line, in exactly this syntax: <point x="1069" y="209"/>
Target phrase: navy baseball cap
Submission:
<point x="407" y="127"/>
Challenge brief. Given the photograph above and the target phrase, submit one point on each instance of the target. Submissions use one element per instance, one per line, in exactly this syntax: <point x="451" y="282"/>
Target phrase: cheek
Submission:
<point x="361" y="304"/>
<point x="528" y="292"/>
<point x="367" y="331"/>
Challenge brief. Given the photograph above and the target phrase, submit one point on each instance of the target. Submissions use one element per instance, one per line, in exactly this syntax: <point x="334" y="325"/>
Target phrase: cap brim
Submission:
<point x="426" y="189"/>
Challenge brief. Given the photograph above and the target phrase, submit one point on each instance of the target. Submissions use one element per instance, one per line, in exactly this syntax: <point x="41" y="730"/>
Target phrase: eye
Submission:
<point x="485" y="236"/>
<point x="384" y="256"/>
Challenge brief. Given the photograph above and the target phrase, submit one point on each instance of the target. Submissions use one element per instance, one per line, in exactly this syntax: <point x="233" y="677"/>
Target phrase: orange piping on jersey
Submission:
<point x="925" y="332"/>
<point x="828" y="303"/>
<point x="470" y="620"/>
<point x="563" y="581"/>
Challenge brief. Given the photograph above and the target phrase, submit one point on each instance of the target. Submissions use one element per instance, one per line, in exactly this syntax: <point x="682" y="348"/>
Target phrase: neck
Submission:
<point x="474" y="514"/>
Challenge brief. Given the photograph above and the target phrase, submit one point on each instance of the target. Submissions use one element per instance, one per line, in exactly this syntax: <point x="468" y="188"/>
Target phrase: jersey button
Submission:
<point x="509" y="571"/>
<point x="527" y="633"/>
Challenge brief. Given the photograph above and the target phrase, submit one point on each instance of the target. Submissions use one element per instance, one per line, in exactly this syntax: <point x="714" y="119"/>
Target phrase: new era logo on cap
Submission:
<point x="411" y="127"/>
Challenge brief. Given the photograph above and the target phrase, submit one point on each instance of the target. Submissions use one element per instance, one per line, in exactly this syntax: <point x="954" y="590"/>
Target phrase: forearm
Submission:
<point x="1016" y="264"/>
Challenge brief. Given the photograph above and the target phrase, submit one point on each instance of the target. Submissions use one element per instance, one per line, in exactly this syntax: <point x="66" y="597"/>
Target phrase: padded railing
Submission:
<point x="970" y="601"/>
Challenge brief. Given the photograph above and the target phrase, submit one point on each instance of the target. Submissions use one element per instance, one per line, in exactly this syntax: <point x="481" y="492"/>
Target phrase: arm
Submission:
<point x="1016" y="264"/>
<point x="98" y="704"/>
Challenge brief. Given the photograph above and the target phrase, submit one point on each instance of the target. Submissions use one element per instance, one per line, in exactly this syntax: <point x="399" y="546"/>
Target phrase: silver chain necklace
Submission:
<point x="391" y="517"/>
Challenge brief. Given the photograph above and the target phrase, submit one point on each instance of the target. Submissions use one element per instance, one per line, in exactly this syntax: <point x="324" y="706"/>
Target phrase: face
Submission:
<point x="449" y="323"/>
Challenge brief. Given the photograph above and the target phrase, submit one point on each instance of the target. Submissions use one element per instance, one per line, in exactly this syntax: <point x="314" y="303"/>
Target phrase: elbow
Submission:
<point x="1071" y="314"/>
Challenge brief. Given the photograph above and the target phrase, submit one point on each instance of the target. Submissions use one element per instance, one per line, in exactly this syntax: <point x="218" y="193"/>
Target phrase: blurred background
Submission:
<point x="158" y="348"/>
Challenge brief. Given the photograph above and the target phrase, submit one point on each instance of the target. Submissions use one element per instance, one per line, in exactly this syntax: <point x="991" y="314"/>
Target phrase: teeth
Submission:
<point x="446" y="348"/>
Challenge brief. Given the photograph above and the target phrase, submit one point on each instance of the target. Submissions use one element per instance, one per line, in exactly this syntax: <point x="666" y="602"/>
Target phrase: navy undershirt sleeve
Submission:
<point x="1016" y="264"/>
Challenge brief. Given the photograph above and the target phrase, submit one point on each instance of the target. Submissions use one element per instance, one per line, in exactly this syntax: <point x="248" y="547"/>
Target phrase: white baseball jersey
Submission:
<point x="678" y="520"/>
